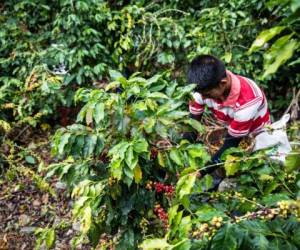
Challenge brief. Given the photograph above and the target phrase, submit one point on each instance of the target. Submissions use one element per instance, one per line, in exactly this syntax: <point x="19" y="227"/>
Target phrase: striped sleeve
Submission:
<point x="196" y="106"/>
<point x="244" y="117"/>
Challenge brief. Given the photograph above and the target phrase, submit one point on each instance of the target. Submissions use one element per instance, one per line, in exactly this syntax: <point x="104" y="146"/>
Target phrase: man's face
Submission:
<point x="220" y="92"/>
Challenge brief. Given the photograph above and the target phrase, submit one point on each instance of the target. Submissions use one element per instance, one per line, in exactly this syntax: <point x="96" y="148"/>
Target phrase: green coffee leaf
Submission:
<point x="265" y="36"/>
<point x="231" y="165"/>
<point x="131" y="158"/>
<point x="149" y="123"/>
<point x="29" y="159"/>
<point x="50" y="238"/>
<point x="292" y="161"/>
<point x="152" y="244"/>
<point x="282" y="50"/>
<point x="89" y="115"/>
<point x="185" y="184"/>
<point x="157" y="95"/>
<point x="86" y="220"/>
<point x="272" y="199"/>
<point x="206" y="213"/>
<point x="90" y="143"/>
<point x="140" y="146"/>
<point x="172" y="213"/>
<point x="128" y="172"/>
<point x="176" y="157"/>
<point x="161" y="160"/>
<point x="153" y="79"/>
<point x="295" y="5"/>
<point x="63" y="142"/>
<point x="115" y="75"/>
<point x="138" y="174"/>
<point x="226" y="238"/>
<point x="116" y="168"/>
<point x="175" y="115"/>
<point x="99" y="112"/>
<point x="196" y="125"/>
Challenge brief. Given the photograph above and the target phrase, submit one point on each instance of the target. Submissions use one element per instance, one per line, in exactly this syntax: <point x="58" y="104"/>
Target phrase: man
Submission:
<point x="234" y="100"/>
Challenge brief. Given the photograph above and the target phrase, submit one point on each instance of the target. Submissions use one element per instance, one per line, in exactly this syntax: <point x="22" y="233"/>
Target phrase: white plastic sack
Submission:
<point x="275" y="137"/>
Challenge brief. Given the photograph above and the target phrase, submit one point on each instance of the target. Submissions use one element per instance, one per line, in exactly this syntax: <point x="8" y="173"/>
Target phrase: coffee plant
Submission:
<point x="124" y="153"/>
<point x="133" y="176"/>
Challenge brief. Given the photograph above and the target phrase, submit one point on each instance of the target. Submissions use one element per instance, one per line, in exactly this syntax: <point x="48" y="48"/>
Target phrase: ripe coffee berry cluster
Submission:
<point x="159" y="187"/>
<point x="162" y="215"/>
<point x="168" y="190"/>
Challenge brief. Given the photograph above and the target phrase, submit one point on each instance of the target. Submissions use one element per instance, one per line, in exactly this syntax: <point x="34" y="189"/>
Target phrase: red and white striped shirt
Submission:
<point x="245" y="111"/>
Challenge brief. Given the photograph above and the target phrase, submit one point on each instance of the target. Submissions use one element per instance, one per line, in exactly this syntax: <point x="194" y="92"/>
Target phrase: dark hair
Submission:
<point x="206" y="71"/>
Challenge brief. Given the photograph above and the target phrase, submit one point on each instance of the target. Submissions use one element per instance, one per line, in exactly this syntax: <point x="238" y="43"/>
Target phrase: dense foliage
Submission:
<point x="109" y="77"/>
<point x="133" y="176"/>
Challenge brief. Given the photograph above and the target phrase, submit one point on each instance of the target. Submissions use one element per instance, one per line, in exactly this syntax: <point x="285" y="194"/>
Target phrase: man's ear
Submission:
<point x="224" y="81"/>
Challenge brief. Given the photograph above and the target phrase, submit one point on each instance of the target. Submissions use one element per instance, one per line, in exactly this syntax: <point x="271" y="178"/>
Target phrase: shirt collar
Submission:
<point x="234" y="91"/>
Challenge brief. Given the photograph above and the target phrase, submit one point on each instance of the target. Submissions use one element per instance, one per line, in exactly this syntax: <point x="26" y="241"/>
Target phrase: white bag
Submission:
<point x="275" y="137"/>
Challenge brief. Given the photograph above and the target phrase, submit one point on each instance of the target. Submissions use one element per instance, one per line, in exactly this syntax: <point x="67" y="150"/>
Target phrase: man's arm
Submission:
<point x="196" y="117"/>
<point x="230" y="141"/>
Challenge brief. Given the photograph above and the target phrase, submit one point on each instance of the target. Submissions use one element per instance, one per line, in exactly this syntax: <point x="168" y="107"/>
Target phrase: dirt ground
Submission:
<point x="25" y="203"/>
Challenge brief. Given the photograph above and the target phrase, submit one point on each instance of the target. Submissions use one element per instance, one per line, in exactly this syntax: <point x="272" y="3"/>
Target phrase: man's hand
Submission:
<point x="190" y="136"/>
<point x="229" y="142"/>
<point x="196" y="117"/>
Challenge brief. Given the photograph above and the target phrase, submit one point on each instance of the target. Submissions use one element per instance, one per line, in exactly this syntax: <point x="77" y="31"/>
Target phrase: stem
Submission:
<point x="177" y="244"/>
<point x="170" y="10"/>
<point x="245" y="199"/>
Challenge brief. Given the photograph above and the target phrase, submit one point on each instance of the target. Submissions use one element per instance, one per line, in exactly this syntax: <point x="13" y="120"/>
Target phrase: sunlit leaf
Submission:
<point x="157" y="95"/>
<point x="161" y="160"/>
<point x="295" y="5"/>
<point x="115" y="75"/>
<point x="185" y="184"/>
<point x="152" y="244"/>
<point x="50" y="238"/>
<point x="231" y="165"/>
<point x="265" y="36"/>
<point x="131" y="158"/>
<point x="177" y="114"/>
<point x="292" y="161"/>
<point x="116" y="168"/>
<point x="86" y="220"/>
<point x="138" y="174"/>
<point x="282" y="50"/>
<point x="89" y="115"/>
<point x="172" y="213"/>
<point x="176" y="157"/>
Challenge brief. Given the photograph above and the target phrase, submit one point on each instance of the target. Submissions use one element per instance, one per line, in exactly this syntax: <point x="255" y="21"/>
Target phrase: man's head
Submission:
<point x="209" y="73"/>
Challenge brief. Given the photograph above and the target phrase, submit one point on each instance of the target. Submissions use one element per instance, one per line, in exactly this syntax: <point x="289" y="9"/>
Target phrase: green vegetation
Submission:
<point x="106" y="80"/>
